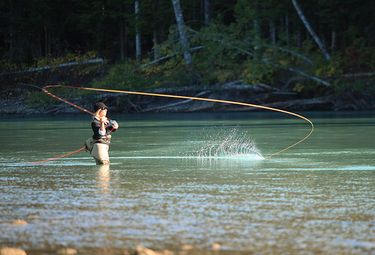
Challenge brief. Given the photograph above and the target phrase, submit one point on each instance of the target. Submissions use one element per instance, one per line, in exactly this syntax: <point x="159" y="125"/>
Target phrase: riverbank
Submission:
<point x="17" y="100"/>
<point x="139" y="250"/>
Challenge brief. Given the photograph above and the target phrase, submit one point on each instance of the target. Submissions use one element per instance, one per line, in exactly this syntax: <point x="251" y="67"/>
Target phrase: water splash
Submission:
<point x="229" y="144"/>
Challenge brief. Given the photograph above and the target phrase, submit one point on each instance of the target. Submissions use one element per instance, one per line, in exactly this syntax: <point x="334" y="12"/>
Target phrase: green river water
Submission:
<point x="192" y="179"/>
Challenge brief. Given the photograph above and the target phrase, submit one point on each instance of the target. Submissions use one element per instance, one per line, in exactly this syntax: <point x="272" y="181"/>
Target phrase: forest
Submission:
<point x="310" y="49"/>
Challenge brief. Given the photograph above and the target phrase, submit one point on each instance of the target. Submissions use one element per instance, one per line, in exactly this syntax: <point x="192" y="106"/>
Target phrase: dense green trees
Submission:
<point x="38" y="28"/>
<point x="232" y="39"/>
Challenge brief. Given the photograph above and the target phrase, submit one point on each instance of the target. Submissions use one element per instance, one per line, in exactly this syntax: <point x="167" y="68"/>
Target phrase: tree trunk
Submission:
<point x="193" y="12"/>
<point x="311" y="31"/>
<point x="333" y="41"/>
<point x="122" y="48"/>
<point x="155" y="29"/>
<point x="287" y="29"/>
<point x="11" y="43"/>
<point x="257" y="33"/>
<point x="11" y="32"/>
<point x="206" y="12"/>
<point x="155" y="43"/>
<point x="37" y="47"/>
<point x="138" y="49"/>
<point x="256" y="28"/>
<point x="272" y="31"/>
<point x="298" y="39"/>
<point x="182" y="32"/>
<point x="126" y="41"/>
<point x="46" y="51"/>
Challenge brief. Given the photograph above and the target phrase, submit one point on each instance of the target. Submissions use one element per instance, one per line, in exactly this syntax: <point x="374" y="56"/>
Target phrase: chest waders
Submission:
<point x="99" y="149"/>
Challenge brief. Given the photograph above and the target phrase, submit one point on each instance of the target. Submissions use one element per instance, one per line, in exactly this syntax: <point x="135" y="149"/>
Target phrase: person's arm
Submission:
<point x="102" y="129"/>
<point x="103" y="125"/>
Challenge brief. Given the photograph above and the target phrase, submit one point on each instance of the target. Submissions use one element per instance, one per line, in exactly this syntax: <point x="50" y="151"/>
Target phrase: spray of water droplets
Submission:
<point x="229" y="144"/>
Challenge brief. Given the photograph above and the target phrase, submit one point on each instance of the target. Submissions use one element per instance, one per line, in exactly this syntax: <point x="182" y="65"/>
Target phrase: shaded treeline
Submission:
<point x="133" y="29"/>
<point x="316" y="54"/>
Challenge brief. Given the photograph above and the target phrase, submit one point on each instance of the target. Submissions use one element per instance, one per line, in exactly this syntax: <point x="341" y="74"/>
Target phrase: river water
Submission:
<point x="196" y="179"/>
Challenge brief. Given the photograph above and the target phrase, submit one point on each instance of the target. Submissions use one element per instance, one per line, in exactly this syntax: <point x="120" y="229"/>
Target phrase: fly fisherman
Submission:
<point x="102" y="127"/>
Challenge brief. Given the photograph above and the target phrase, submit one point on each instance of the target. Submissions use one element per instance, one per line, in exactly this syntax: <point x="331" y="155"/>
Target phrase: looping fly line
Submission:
<point x="45" y="90"/>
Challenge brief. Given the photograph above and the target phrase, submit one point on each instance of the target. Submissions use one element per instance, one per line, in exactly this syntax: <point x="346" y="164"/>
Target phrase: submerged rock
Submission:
<point x="19" y="222"/>
<point x="67" y="251"/>
<point x="32" y="216"/>
<point x="145" y="251"/>
<point x="216" y="246"/>
<point x="187" y="247"/>
<point x="11" y="251"/>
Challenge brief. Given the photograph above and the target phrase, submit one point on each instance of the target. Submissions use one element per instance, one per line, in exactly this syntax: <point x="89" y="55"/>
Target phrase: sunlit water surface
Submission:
<point x="192" y="179"/>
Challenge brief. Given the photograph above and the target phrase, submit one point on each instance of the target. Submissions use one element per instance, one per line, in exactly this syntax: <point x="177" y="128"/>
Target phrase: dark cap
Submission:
<point x="100" y="105"/>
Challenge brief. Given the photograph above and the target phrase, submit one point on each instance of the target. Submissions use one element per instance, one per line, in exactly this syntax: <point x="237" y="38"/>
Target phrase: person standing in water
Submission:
<point x="102" y="127"/>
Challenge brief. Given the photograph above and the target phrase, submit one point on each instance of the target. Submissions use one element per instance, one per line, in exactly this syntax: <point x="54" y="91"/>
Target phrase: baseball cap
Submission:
<point x="100" y="105"/>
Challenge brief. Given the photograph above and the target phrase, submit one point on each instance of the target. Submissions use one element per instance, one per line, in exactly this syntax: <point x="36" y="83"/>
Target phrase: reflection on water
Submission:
<point x="315" y="199"/>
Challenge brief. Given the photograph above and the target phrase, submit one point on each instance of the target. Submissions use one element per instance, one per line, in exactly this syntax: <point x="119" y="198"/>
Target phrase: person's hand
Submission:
<point x="114" y="124"/>
<point x="104" y="120"/>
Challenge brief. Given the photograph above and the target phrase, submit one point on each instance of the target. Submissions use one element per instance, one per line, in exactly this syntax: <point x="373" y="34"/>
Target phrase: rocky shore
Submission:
<point x="185" y="249"/>
<point x="15" y="100"/>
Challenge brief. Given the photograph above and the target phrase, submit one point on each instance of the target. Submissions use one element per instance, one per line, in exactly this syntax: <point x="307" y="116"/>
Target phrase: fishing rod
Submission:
<point x="45" y="89"/>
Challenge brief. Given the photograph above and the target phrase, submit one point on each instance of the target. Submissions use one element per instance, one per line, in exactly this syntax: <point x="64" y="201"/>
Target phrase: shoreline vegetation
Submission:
<point x="286" y="54"/>
<point x="23" y="96"/>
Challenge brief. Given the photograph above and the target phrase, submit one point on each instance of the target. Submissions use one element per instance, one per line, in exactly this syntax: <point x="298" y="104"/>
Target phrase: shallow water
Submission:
<point x="161" y="192"/>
